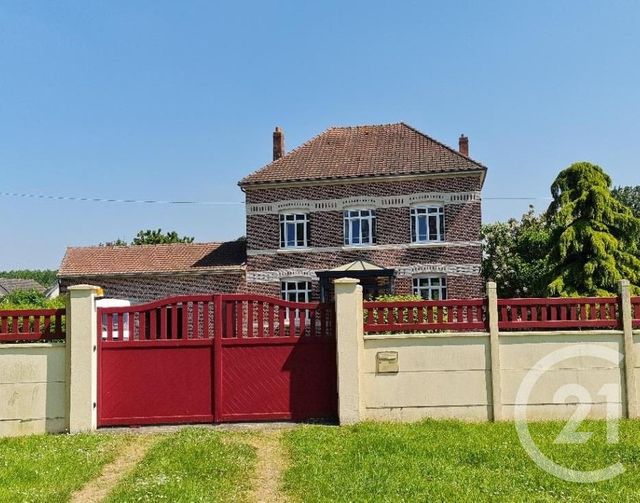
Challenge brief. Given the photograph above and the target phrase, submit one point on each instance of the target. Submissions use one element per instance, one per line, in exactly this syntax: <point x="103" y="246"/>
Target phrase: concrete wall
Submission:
<point x="33" y="394"/>
<point x="449" y="375"/>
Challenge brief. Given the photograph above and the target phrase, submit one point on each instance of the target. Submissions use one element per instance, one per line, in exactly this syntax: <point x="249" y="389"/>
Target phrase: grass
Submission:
<point x="192" y="465"/>
<point x="453" y="461"/>
<point x="48" y="468"/>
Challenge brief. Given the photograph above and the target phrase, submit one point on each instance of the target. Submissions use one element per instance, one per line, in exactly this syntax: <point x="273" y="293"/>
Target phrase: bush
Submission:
<point x="30" y="299"/>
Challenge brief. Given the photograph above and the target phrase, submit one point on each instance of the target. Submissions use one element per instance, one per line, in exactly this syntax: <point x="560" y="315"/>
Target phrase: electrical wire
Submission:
<point x="210" y="203"/>
<point x="110" y="200"/>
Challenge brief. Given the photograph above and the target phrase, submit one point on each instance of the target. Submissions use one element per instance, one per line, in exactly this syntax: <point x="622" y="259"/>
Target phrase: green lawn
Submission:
<point x="193" y="465"/>
<point x="453" y="461"/>
<point x="48" y="468"/>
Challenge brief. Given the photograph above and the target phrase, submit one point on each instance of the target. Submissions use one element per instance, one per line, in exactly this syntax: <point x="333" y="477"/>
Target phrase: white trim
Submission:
<point x="333" y="249"/>
<point x="276" y="276"/>
<point x="409" y="271"/>
<point x="369" y="202"/>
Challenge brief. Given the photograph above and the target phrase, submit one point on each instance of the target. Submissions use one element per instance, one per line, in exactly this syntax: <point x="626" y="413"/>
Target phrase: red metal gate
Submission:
<point x="216" y="358"/>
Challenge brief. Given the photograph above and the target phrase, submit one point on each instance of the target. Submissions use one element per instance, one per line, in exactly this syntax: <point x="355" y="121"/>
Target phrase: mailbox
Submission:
<point x="387" y="362"/>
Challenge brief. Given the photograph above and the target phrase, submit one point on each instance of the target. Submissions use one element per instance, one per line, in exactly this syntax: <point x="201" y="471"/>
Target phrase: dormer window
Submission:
<point x="294" y="230"/>
<point x="359" y="227"/>
<point x="427" y="223"/>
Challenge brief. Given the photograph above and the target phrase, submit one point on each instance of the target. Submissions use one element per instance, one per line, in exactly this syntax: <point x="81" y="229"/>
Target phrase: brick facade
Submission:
<point x="147" y="287"/>
<point x="458" y="257"/>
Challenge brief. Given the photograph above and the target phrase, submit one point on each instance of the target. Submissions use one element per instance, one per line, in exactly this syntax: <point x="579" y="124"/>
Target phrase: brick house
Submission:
<point x="385" y="203"/>
<point x="386" y="195"/>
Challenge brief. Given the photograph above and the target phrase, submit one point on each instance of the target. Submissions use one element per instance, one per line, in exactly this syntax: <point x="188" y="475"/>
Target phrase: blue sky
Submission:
<point x="177" y="101"/>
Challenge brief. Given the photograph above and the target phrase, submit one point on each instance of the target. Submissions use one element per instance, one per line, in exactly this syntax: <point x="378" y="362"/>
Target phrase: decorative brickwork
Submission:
<point x="466" y="183"/>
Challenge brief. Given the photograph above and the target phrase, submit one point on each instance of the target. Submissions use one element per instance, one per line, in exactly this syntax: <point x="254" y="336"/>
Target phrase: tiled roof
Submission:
<point x="8" y="285"/>
<point x="180" y="257"/>
<point x="364" y="151"/>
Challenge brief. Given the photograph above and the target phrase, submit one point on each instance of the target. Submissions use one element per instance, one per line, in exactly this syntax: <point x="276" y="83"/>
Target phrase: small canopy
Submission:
<point x="375" y="280"/>
<point x="359" y="265"/>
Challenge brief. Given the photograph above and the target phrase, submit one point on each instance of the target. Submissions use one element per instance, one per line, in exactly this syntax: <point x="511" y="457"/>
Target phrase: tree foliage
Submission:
<point x="515" y="255"/>
<point x="629" y="196"/>
<point x="30" y="299"/>
<point x="594" y="237"/>
<point x="46" y="277"/>
<point x="152" y="237"/>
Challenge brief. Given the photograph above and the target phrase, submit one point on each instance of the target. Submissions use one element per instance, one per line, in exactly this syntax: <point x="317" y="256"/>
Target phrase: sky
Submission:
<point x="166" y="100"/>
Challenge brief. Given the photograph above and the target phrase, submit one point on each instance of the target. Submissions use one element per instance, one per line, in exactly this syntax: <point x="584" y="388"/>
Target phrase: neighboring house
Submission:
<point x="388" y="195"/>
<point x="386" y="204"/>
<point x="146" y="272"/>
<point x="9" y="285"/>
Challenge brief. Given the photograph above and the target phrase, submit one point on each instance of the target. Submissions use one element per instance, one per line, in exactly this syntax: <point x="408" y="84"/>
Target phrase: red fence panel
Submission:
<point x="277" y="360"/>
<point x="173" y="318"/>
<point x="425" y="315"/>
<point x="32" y="325"/>
<point x="155" y="362"/>
<point x="552" y="313"/>
<point x="635" y="311"/>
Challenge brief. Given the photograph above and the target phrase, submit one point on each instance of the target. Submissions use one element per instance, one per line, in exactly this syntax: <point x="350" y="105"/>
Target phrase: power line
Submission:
<point x="209" y="203"/>
<point x="111" y="200"/>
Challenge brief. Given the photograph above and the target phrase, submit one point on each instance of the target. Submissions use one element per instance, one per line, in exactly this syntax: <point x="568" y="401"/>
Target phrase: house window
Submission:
<point x="360" y="227"/>
<point x="427" y="223"/>
<point x="294" y="230"/>
<point x="296" y="291"/>
<point x="430" y="287"/>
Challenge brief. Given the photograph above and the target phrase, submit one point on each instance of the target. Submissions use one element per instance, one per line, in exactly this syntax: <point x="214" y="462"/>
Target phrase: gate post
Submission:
<point x="82" y="374"/>
<point x="349" y="348"/>
<point x="626" y="319"/>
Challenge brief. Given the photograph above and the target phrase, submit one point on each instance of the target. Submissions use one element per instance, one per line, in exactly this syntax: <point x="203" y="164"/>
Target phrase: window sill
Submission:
<point x="293" y="249"/>
<point x="359" y="247"/>
<point x="427" y="244"/>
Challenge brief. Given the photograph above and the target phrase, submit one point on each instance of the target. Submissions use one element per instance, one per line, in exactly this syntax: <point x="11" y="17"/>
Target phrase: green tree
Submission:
<point x="156" y="237"/>
<point x="594" y="238"/>
<point x="629" y="196"/>
<point x="152" y="237"/>
<point x="515" y="255"/>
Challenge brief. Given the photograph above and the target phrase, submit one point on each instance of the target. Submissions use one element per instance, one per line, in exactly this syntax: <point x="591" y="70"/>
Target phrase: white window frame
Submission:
<point x="295" y="218"/>
<point x="352" y="215"/>
<point x="427" y="211"/>
<point x="296" y="290"/>
<point x="430" y="283"/>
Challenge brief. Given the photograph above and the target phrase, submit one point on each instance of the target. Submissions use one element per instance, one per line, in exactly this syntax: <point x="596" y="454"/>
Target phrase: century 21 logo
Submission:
<point x="569" y="434"/>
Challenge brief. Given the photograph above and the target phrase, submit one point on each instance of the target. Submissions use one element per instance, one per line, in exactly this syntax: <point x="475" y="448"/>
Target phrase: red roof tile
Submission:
<point x="364" y="151"/>
<point x="181" y="257"/>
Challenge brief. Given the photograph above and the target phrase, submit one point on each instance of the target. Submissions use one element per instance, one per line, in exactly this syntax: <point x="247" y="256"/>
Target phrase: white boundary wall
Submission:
<point x="33" y="390"/>
<point x="449" y="375"/>
<point x="476" y="376"/>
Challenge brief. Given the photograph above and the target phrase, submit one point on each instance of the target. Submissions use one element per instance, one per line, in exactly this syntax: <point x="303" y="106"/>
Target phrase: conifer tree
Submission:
<point x="594" y="240"/>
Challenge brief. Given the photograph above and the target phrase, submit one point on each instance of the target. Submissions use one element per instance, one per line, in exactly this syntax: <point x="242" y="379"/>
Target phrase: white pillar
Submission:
<point x="82" y="368"/>
<point x="494" y="348"/>
<point x="629" y="356"/>
<point x="349" y="348"/>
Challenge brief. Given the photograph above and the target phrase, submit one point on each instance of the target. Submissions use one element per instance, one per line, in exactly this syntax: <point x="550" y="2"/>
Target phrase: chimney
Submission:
<point x="278" y="144"/>
<point x="463" y="145"/>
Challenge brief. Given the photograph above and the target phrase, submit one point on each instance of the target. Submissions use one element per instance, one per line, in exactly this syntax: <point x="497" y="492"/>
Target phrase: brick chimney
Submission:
<point x="278" y="144"/>
<point x="463" y="145"/>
